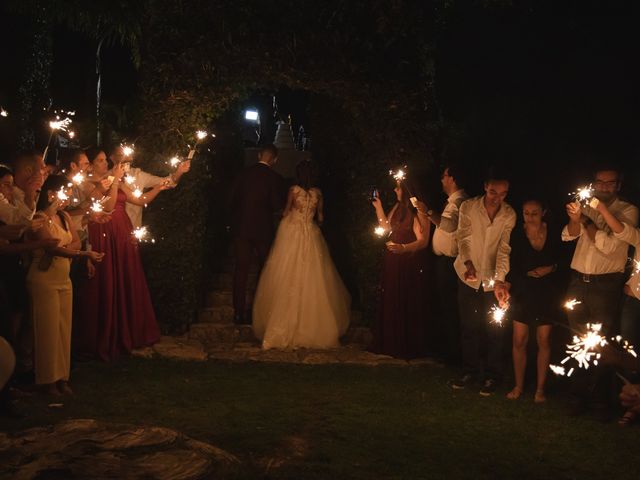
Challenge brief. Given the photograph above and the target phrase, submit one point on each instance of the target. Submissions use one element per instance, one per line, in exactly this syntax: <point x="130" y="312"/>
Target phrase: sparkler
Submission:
<point x="571" y="304"/>
<point x="379" y="231"/>
<point x="127" y="150"/>
<point x="78" y="178"/>
<point x="142" y="234"/>
<point x="175" y="161"/>
<point x="60" y="123"/>
<point x="62" y="195"/>
<point x="583" y="195"/>
<point x="72" y="134"/>
<point x="3" y="112"/>
<point x="399" y="175"/>
<point x="129" y="180"/>
<point x="200" y="135"/>
<point x="137" y="192"/>
<point x="498" y="314"/>
<point x="583" y="346"/>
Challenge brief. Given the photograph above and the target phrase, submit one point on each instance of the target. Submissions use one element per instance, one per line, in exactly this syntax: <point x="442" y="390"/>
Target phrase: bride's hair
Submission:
<point x="305" y="175"/>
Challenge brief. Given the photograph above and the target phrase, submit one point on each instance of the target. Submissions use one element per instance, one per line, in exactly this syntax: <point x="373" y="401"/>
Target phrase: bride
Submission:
<point x="301" y="300"/>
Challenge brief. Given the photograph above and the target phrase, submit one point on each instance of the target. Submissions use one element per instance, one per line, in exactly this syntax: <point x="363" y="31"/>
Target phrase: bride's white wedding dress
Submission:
<point x="301" y="300"/>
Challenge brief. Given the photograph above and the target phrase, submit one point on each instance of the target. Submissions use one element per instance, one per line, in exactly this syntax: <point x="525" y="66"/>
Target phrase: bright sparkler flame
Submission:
<point x="584" y="194"/>
<point x="62" y="195"/>
<point x="60" y="124"/>
<point x="129" y="179"/>
<point x="498" y="314"/>
<point x="379" y="231"/>
<point x="398" y="175"/>
<point x="558" y="369"/>
<point x="142" y="234"/>
<point x="137" y="192"/>
<point x="3" y="112"/>
<point x="78" y="178"/>
<point x="127" y="150"/>
<point x="582" y="348"/>
<point x="571" y="304"/>
<point x="174" y="162"/>
<point x="72" y="134"/>
<point x="201" y="134"/>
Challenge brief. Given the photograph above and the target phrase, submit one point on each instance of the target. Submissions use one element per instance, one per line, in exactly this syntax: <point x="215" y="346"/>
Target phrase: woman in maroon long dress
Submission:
<point x="117" y="313"/>
<point x="400" y="329"/>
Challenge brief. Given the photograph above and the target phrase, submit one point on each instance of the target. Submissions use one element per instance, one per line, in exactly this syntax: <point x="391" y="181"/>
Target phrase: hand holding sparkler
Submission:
<point x="501" y="292"/>
<point x="396" y="248"/>
<point x="571" y="304"/>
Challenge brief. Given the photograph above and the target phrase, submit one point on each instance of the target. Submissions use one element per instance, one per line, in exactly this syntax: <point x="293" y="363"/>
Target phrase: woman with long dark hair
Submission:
<point x="400" y="327"/>
<point x="301" y="300"/>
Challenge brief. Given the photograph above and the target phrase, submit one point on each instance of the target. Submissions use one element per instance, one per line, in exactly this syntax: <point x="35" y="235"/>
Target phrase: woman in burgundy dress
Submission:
<point x="400" y="329"/>
<point x="117" y="313"/>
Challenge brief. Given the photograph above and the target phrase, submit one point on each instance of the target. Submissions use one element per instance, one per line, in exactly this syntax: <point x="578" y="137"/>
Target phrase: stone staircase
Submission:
<point x="216" y="331"/>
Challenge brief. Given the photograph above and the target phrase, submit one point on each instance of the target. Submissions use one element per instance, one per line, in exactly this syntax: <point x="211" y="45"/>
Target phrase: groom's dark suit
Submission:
<point x="260" y="193"/>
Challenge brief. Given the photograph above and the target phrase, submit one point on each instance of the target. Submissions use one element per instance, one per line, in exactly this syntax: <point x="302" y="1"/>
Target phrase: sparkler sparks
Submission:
<point x="583" y="195"/>
<point x="137" y="192"/>
<point x="201" y="134"/>
<point x="498" y="314"/>
<point x="97" y="207"/>
<point x="142" y="234"/>
<point x="3" y="112"/>
<point x="379" y="231"/>
<point x="571" y="304"/>
<point x="129" y="179"/>
<point x="78" y="178"/>
<point x="62" y="194"/>
<point x="174" y="162"/>
<point x="127" y="150"/>
<point x="399" y="175"/>
<point x="60" y="124"/>
<point x="583" y="346"/>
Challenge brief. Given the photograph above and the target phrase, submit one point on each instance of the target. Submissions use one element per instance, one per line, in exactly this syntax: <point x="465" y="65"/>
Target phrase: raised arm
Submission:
<point x="146" y="198"/>
<point x="605" y="241"/>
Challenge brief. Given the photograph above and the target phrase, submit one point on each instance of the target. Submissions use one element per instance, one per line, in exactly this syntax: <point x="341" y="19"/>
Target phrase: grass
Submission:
<point x="339" y="421"/>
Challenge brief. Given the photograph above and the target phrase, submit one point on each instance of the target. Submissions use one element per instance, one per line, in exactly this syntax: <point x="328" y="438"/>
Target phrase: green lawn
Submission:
<point x="340" y="421"/>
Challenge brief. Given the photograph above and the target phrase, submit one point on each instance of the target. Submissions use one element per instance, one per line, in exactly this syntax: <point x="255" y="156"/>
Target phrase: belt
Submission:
<point x="593" y="278"/>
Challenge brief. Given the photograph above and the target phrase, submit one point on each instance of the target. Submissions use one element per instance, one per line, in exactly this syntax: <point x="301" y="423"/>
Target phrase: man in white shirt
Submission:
<point x="600" y="256"/>
<point x="445" y="246"/>
<point x="597" y="278"/>
<point x="484" y="229"/>
<point x="144" y="181"/>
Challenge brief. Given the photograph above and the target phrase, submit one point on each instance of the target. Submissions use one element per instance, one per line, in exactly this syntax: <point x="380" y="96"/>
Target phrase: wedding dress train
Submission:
<point x="301" y="300"/>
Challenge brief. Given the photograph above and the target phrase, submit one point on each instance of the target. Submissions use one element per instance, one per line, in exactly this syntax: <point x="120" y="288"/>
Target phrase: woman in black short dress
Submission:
<point x="535" y="295"/>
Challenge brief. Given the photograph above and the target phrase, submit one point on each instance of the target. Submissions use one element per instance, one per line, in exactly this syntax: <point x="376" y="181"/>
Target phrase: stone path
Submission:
<point x="89" y="449"/>
<point x="189" y="348"/>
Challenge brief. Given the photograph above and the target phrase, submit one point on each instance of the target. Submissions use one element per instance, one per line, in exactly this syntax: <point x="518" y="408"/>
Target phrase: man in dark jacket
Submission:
<point x="258" y="197"/>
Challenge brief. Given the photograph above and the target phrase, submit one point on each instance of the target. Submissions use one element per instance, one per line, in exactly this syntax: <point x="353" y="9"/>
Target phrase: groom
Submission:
<point x="258" y="197"/>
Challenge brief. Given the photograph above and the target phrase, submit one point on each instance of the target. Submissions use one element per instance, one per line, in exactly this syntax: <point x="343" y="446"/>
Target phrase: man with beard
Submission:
<point x="600" y="257"/>
<point x="597" y="272"/>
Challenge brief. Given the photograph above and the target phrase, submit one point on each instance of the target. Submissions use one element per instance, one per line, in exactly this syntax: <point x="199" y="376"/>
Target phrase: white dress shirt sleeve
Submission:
<point x="504" y="248"/>
<point x="464" y="232"/>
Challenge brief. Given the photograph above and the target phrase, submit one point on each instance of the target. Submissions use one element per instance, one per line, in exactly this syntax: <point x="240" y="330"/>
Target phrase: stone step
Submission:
<point x="212" y="334"/>
<point x="224" y="281"/>
<point x="221" y="314"/>
<point x="224" y="298"/>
